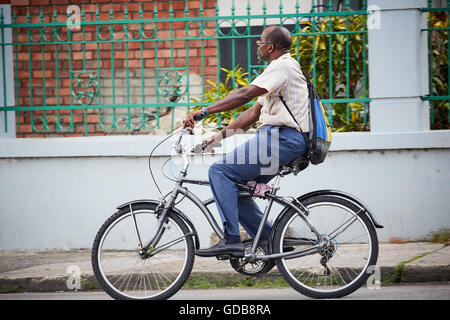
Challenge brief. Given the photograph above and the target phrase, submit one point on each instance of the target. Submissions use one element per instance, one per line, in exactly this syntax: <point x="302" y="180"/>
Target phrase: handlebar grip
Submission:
<point x="199" y="116"/>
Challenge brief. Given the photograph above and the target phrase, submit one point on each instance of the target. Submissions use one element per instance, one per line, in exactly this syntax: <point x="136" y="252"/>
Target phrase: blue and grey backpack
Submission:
<point x="319" y="128"/>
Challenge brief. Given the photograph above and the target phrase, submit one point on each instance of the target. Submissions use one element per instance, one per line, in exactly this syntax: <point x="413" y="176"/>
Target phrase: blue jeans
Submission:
<point x="257" y="159"/>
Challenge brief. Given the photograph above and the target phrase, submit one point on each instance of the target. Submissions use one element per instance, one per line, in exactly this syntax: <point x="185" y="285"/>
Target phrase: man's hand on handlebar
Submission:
<point x="196" y="115"/>
<point x="208" y="144"/>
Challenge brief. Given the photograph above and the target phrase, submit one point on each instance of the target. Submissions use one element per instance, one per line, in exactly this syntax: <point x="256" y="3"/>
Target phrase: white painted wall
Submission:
<point x="56" y="193"/>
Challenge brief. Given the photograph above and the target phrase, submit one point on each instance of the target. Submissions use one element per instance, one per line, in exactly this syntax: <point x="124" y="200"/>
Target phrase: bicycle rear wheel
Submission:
<point x="339" y="267"/>
<point x="126" y="274"/>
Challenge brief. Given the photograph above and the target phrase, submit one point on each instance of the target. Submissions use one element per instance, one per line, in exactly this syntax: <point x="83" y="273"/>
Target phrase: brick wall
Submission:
<point x="38" y="65"/>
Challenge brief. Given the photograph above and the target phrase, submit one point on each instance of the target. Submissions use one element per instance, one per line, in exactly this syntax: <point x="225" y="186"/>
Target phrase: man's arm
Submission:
<point x="236" y="99"/>
<point x="231" y="101"/>
<point x="243" y="121"/>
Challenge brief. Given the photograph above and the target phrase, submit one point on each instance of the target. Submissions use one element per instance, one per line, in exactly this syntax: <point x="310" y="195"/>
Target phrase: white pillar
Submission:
<point x="7" y="79"/>
<point x="398" y="66"/>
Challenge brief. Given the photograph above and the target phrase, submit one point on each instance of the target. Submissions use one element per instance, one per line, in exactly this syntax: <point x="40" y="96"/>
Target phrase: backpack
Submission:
<point x="319" y="129"/>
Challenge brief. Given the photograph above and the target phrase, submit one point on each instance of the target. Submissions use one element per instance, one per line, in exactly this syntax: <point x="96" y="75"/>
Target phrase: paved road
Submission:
<point x="429" y="291"/>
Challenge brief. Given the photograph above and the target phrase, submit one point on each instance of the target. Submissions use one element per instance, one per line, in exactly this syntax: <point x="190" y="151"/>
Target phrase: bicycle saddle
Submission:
<point x="298" y="164"/>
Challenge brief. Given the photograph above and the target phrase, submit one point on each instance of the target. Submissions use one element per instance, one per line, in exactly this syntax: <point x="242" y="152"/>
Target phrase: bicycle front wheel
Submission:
<point x="124" y="273"/>
<point x="350" y="246"/>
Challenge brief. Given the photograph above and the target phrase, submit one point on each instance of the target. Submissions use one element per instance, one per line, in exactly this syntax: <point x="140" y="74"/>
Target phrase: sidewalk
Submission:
<point x="48" y="270"/>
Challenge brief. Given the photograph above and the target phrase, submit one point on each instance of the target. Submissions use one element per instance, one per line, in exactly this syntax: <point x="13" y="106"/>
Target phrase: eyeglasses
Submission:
<point x="258" y="43"/>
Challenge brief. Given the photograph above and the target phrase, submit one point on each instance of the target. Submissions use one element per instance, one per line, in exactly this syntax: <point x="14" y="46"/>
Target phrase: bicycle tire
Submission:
<point x="97" y="249"/>
<point x="305" y="273"/>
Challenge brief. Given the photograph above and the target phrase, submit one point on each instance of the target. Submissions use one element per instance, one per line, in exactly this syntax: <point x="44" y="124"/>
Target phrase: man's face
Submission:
<point x="262" y="51"/>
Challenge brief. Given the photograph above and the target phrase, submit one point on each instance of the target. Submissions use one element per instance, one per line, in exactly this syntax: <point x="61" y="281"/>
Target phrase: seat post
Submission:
<point x="275" y="187"/>
<point x="276" y="184"/>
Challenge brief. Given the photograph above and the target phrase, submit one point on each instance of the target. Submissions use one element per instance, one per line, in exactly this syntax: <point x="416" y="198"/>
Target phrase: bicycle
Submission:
<point x="322" y="242"/>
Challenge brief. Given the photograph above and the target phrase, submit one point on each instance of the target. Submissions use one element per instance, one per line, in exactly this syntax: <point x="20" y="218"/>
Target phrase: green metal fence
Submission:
<point x="139" y="67"/>
<point x="438" y="58"/>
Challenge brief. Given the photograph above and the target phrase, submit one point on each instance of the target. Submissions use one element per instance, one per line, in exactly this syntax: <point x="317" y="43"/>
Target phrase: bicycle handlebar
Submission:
<point x="199" y="116"/>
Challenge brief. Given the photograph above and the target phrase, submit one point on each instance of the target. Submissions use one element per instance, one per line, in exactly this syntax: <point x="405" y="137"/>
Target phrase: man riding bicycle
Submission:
<point x="279" y="137"/>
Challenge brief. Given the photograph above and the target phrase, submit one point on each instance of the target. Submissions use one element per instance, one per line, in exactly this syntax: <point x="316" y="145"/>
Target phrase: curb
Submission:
<point x="208" y="280"/>
<point x="426" y="274"/>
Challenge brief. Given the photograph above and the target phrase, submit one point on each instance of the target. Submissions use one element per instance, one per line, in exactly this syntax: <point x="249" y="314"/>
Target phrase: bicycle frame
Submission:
<point x="245" y="191"/>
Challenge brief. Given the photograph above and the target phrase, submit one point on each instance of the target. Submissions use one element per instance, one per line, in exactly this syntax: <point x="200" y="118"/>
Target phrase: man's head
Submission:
<point x="274" y="41"/>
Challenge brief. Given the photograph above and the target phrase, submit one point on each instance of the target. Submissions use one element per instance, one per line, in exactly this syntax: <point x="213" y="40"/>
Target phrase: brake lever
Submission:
<point x="200" y="147"/>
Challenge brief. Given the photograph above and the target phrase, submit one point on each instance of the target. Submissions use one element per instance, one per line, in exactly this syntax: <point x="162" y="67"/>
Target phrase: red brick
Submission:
<point x="25" y="128"/>
<point x="79" y="55"/>
<point x="47" y="56"/>
<point x="22" y="56"/>
<point x="195" y="43"/>
<point x="39" y="2"/>
<point x="147" y="54"/>
<point x="134" y="63"/>
<point x="211" y="70"/>
<point x="40" y="74"/>
<point x="178" y="25"/>
<point x="20" y="2"/>
<point x="119" y="54"/>
<point x="211" y="61"/>
<point x="92" y="118"/>
<point x="51" y="100"/>
<point x="179" y="63"/>
<point x="210" y="4"/>
<point x="194" y="4"/>
<point x="210" y="52"/>
<point x="164" y="53"/>
<point x="105" y="54"/>
<point x="197" y="61"/>
<point x="151" y="63"/>
<point x="191" y="53"/>
<point x="209" y="12"/>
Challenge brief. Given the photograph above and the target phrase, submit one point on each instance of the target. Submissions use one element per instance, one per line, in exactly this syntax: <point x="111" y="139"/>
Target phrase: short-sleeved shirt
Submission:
<point x="284" y="77"/>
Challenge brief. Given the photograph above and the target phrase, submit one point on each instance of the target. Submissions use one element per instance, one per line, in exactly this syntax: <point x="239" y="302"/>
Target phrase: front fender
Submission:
<point x="175" y="210"/>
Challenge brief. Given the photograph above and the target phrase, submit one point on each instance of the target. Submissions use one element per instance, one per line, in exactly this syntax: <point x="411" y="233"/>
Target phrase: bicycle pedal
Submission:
<point x="223" y="256"/>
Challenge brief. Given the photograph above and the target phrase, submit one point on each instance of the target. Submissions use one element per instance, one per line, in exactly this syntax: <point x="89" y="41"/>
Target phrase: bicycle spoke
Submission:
<point x="341" y="258"/>
<point x="169" y="244"/>
<point x="354" y="219"/>
<point x="132" y="275"/>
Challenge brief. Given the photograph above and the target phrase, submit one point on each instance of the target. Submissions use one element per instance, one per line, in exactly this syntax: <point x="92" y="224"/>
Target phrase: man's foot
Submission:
<point x="221" y="248"/>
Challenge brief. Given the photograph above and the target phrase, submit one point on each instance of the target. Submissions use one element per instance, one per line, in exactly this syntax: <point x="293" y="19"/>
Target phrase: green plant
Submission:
<point x="440" y="236"/>
<point x="355" y="121"/>
<point x="439" y="40"/>
<point x="234" y="80"/>
<point x="348" y="76"/>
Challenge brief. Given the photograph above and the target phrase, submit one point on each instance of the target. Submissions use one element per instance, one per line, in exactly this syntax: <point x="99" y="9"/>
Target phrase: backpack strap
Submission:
<point x="309" y="85"/>
<point x="282" y="100"/>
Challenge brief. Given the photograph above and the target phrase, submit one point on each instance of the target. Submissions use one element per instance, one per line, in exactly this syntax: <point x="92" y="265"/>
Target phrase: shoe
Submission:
<point x="221" y="248"/>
